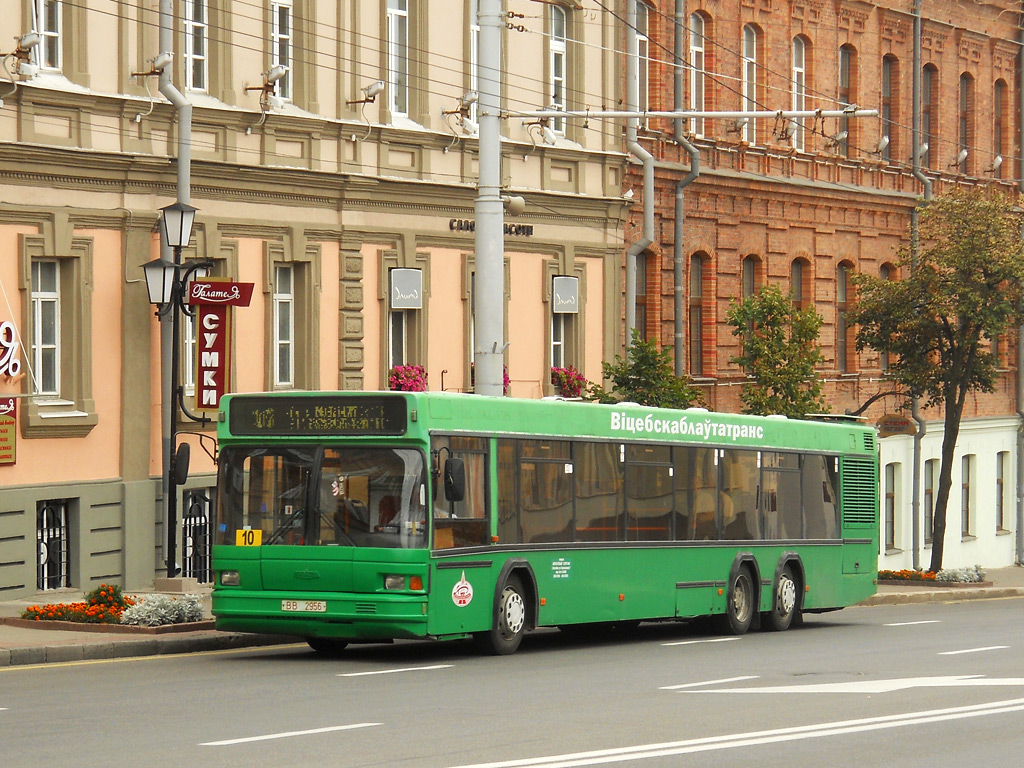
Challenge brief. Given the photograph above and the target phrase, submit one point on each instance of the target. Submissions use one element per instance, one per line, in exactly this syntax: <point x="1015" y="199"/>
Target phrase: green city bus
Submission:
<point x="370" y="516"/>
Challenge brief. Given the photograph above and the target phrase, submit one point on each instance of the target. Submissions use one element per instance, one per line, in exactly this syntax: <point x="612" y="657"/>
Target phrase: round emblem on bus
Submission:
<point x="462" y="592"/>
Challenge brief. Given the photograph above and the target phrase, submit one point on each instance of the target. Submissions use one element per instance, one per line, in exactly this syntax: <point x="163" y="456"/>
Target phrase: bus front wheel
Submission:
<point x="509" y="623"/>
<point x="785" y="606"/>
<point x="739" y="607"/>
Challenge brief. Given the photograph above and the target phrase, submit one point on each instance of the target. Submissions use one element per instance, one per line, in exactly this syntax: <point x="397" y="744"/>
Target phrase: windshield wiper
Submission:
<point x="288" y="524"/>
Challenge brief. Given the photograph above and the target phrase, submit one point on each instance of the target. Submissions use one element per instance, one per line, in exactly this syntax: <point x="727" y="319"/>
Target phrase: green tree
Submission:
<point x="645" y="376"/>
<point x="779" y="351"/>
<point x="937" y="323"/>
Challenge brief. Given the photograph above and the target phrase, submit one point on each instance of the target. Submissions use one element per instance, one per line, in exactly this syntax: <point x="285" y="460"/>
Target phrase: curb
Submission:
<point x="103" y="628"/>
<point x="143" y="647"/>
<point x="945" y="595"/>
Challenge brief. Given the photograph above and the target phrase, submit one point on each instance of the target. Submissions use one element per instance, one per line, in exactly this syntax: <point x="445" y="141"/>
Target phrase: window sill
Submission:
<point x="58" y="418"/>
<point x="893" y="551"/>
<point x="968" y="537"/>
<point x="1003" y="532"/>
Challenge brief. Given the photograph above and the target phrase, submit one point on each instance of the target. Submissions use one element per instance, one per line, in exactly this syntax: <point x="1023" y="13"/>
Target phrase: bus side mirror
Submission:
<point x="181" y="457"/>
<point x="454" y="479"/>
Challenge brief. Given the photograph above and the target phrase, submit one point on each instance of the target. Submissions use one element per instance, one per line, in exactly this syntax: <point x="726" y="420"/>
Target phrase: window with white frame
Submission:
<point x="557" y="63"/>
<point x="474" y="53"/>
<point x="281" y="44"/>
<point x="46" y="20"/>
<point x="1002" y="461"/>
<point x="46" y="351"/>
<point x="697" y="71"/>
<point x="966" y="500"/>
<point x="799" y="78"/>
<point x="398" y="56"/>
<point x="197" y="63"/>
<point x="643" y="58"/>
<point x="397" y="338"/>
<point x="891" y="479"/>
<point x="558" y="334"/>
<point x="284" y="325"/>
<point x="749" y="80"/>
<point x="931" y="474"/>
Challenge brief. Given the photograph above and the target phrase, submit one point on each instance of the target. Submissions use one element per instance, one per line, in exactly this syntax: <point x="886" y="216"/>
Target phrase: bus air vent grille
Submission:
<point x="365" y="608"/>
<point x="869" y="441"/>
<point x="860" y="492"/>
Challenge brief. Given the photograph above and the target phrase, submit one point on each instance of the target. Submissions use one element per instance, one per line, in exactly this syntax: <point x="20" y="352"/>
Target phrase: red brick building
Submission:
<point x="805" y="204"/>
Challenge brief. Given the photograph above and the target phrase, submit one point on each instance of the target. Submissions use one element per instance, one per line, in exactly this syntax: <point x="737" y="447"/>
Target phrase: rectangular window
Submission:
<point x="196" y="38"/>
<point x="697" y="72"/>
<point x="598" y="490"/>
<point x="847" y="96"/>
<point x="52" y="568"/>
<point x="696" y="493"/>
<point x="281" y="44"/>
<point x="46" y="20"/>
<point x="558" y="323"/>
<point x="965" y="123"/>
<point x="930" y="476"/>
<point x="929" y="114"/>
<point x="641" y="295"/>
<point x="819" y="477"/>
<point x="780" y="492"/>
<point x="46" y="349"/>
<point x="1002" y="459"/>
<point x="557" y="65"/>
<point x="842" y="327"/>
<point x="284" y="326"/>
<point x="397" y="338"/>
<point x="463" y="523"/>
<point x="738" y="487"/>
<point x="998" y="127"/>
<point x="545" y="491"/>
<point x="890" y="506"/>
<point x="398" y="56"/>
<point x="649" y="493"/>
<point x="966" y="513"/>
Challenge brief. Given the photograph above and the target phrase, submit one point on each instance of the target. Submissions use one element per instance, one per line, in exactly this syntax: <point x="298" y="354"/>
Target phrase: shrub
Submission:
<point x="970" y="575"/>
<point x="907" y="575"/>
<point x="156" y="610"/>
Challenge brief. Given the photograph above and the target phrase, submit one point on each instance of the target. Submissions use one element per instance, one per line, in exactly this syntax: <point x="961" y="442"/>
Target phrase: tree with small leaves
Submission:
<point x="937" y="323"/>
<point x="645" y="376"/>
<point x="779" y="351"/>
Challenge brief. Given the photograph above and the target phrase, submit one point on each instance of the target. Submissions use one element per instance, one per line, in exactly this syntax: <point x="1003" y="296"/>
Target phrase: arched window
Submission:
<point x="800" y="283"/>
<point x="890" y="107"/>
<point x="799" y="78"/>
<point x="696" y="326"/>
<point x="999" y="127"/>
<point x="965" y="124"/>
<point x="929" y="114"/>
<point x="697" y="72"/>
<point x="847" y="97"/>
<point x="749" y="81"/>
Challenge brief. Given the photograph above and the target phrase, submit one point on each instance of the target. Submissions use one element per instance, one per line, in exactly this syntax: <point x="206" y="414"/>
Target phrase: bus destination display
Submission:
<point x="337" y="415"/>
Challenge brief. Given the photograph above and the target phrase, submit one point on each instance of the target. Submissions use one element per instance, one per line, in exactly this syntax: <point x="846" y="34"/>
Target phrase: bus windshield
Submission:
<point x="324" y="496"/>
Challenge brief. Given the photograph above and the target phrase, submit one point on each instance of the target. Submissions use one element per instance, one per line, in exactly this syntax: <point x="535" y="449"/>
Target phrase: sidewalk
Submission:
<point x="30" y="645"/>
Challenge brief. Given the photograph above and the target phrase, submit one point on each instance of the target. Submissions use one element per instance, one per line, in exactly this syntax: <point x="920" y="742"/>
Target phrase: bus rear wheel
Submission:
<point x="509" y="623"/>
<point x="739" y="606"/>
<point x="785" y="607"/>
<point x="327" y="646"/>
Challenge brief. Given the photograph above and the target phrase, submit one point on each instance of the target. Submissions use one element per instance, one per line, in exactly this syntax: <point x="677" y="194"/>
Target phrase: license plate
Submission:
<point x="304" y="606"/>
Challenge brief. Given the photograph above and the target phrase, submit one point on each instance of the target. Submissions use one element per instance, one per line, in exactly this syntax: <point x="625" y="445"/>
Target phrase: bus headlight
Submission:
<point x="230" y="578"/>
<point x="392" y="581"/>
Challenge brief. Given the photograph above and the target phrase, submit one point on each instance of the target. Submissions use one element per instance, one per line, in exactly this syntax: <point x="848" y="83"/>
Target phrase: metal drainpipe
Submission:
<point x="645" y="157"/>
<point x="1020" y="332"/>
<point x="174" y="96"/>
<point x="680" y="212"/>
<point x="915" y="406"/>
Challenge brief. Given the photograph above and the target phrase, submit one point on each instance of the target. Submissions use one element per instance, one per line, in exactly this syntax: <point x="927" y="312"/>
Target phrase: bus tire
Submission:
<point x="785" y="603"/>
<point x="509" y="624"/>
<point x="327" y="646"/>
<point x="739" y="603"/>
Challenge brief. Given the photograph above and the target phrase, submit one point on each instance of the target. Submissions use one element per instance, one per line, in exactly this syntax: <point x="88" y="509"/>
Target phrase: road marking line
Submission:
<point x="974" y="650"/>
<point x="287" y="734"/>
<point x="390" y="671"/>
<point x="707" y="682"/>
<point x="911" y="623"/>
<point x="754" y="738"/>
<point x="695" y="642"/>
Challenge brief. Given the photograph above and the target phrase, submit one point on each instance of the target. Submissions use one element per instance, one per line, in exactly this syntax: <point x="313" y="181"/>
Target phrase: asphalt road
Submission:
<point x="926" y="684"/>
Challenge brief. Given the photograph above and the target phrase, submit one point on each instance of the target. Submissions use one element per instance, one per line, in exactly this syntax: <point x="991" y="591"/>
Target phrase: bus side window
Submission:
<point x="462" y="523"/>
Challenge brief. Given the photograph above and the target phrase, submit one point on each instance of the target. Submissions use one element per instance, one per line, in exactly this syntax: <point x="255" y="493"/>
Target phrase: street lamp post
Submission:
<point x="166" y="282"/>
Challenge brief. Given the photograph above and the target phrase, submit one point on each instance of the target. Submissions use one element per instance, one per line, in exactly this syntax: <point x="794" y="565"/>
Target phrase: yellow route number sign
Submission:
<point x="248" y="537"/>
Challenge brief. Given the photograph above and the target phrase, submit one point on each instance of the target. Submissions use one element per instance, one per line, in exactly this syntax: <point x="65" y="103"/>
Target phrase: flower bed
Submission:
<point x="947" y="577"/>
<point x="108" y="609"/>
